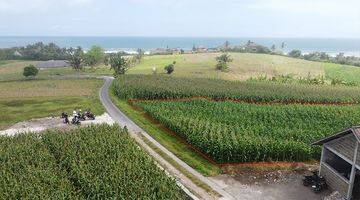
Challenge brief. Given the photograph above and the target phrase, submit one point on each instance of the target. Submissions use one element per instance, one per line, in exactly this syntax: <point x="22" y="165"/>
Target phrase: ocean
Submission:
<point x="306" y="45"/>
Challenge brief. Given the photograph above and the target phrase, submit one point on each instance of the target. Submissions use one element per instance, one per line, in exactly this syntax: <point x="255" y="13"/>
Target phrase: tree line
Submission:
<point x="324" y="57"/>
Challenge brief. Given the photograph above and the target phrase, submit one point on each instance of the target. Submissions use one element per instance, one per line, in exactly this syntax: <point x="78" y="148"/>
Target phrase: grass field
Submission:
<point x="202" y="65"/>
<point x="244" y="66"/>
<point x="23" y="100"/>
<point x="12" y="71"/>
<point x="97" y="162"/>
<point x="232" y="132"/>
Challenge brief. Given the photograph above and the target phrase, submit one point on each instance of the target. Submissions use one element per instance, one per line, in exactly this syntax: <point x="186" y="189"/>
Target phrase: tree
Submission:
<point x="118" y="64"/>
<point x="295" y="53"/>
<point x="226" y="45"/>
<point x="94" y="56"/>
<point x="223" y="62"/>
<point x="273" y="48"/>
<point x="139" y="55"/>
<point x="76" y="58"/>
<point x="30" y="70"/>
<point x="170" y="68"/>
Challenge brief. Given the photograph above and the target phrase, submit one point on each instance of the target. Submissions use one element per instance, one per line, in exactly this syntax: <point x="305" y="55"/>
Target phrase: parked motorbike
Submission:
<point x="76" y="119"/>
<point x="320" y="185"/>
<point x="65" y="116"/>
<point x="89" y="115"/>
<point x="317" y="183"/>
<point x="310" y="180"/>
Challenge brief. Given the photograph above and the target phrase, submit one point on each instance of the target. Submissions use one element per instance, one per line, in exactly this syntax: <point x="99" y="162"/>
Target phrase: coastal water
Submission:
<point x="331" y="46"/>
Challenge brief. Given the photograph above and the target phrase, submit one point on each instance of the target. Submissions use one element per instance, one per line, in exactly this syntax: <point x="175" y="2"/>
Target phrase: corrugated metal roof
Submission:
<point x="333" y="137"/>
<point x="356" y="131"/>
<point x="53" y="64"/>
<point x="353" y="130"/>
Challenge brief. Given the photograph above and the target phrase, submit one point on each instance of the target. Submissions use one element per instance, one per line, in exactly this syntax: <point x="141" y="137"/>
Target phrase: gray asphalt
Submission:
<point x="134" y="129"/>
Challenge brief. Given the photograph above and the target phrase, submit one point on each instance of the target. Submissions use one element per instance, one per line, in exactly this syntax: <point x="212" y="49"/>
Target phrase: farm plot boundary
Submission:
<point x="310" y="155"/>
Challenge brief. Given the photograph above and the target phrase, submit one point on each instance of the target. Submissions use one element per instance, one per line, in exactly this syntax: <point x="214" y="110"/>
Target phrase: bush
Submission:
<point x="170" y="68"/>
<point x="30" y="70"/>
<point x="295" y="53"/>
<point x="223" y="62"/>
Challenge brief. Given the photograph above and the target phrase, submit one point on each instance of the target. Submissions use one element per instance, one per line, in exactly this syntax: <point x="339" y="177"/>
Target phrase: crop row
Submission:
<point x="231" y="132"/>
<point x="163" y="87"/>
<point x="97" y="162"/>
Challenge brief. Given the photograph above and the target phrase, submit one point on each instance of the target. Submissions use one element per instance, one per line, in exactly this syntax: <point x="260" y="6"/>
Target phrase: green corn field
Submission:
<point x="96" y="162"/>
<point x="163" y="87"/>
<point x="231" y="132"/>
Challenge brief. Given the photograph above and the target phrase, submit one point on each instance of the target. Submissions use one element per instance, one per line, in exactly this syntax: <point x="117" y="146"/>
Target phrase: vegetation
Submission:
<point x="170" y="68"/>
<point x="119" y="64"/>
<point x="77" y="58"/>
<point x="272" y="132"/>
<point x="30" y="70"/>
<point x="37" y="51"/>
<point x="223" y="62"/>
<point x="154" y="87"/>
<point x="173" y="144"/>
<point x="295" y="53"/>
<point x="24" y="100"/>
<point x="29" y="171"/>
<point x="319" y="80"/>
<point x="94" y="56"/>
<point x="88" y="163"/>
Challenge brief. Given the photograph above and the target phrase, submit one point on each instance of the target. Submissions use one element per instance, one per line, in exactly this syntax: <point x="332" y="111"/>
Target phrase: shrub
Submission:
<point x="170" y="68"/>
<point x="30" y="70"/>
<point x="223" y="62"/>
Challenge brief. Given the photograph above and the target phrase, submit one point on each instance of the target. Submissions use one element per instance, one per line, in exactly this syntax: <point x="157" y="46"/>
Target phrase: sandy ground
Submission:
<point x="277" y="185"/>
<point x="38" y="125"/>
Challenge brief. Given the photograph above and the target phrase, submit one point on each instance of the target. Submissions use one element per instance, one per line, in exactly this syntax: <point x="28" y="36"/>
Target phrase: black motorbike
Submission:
<point x="76" y="120"/>
<point x="320" y="185"/>
<point x="310" y="180"/>
<point x="317" y="183"/>
<point x="89" y="115"/>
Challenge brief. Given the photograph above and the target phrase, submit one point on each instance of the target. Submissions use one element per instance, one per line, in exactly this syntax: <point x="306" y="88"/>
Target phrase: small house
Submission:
<point x="340" y="162"/>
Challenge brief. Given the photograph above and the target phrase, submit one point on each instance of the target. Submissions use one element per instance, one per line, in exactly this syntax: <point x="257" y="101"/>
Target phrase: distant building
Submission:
<point x="340" y="162"/>
<point x="17" y="54"/>
<point x="200" y="49"/>
<point x="52" y="64"/>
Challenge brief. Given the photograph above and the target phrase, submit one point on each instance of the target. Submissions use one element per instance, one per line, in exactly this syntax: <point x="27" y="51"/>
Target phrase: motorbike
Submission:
<point x="320" y="185"/>
<point x="89" y="115"/>
<point x="310" y="180"/>
<point x="76" y="120"/>
<point x="65" y="118"/>
<point x="317" y="183"/>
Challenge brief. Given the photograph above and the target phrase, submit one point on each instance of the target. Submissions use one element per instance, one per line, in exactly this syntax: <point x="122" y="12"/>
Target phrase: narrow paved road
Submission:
<point x="134" y="130"/>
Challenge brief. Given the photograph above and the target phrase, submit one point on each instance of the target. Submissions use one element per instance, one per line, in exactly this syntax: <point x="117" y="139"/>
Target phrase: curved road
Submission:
<point x="135" y="130"/>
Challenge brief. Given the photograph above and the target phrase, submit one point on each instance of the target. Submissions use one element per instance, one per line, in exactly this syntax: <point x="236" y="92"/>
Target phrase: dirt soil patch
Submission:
<point x="38" y="125"/>
<point x="275" y="185"/>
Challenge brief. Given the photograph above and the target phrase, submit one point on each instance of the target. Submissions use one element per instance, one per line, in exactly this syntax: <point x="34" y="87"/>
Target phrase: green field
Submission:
<point x="97" y="162"/>
<point x="165" y="87"/>
<point x="24" y="100"/>
<point x="245" y="66"/>
<point x="232" y="132"/>
<point x="12" y="70"/>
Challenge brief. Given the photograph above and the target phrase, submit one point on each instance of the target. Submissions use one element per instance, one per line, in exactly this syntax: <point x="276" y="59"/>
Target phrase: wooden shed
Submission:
<point x="340" y="162"/>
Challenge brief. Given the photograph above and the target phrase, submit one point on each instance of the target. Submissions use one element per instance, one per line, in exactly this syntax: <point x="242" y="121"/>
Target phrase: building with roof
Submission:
<point x="52" y="64"/>
<point x="340" y="162"/>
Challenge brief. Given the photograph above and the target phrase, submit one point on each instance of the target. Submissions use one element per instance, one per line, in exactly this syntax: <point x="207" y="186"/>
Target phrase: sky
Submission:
<point x="185" y="18"/>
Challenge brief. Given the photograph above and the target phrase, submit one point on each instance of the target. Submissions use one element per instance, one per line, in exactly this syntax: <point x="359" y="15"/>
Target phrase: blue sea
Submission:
<point x="331" y="46"/>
